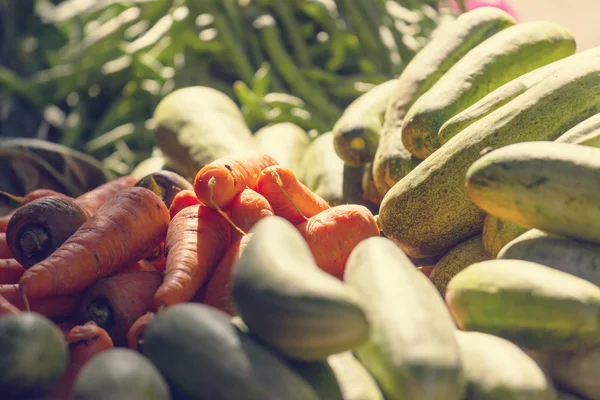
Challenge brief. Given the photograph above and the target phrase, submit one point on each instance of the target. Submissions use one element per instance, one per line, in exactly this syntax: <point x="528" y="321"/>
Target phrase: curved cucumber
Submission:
<point x="587" y="133"/>
<point x="412" y="351"/>
<point x="497" y="233"/>
<point x="449" y="44"/>
<point x="503" y="57"/>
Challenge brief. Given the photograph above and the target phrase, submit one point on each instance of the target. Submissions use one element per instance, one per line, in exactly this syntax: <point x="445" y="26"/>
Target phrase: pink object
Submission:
<point x="501" y="4"/>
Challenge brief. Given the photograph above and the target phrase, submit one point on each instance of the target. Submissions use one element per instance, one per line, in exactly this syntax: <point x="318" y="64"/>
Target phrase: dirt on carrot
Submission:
<point x="197" y="239"/>
<point x="127" y="228"/>
<point x="247" y="208"/>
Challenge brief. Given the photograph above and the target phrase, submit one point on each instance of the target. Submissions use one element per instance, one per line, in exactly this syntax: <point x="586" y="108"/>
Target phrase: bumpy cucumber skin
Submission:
<point x="289" y="302"/>
<point x="460" y="257"/>
<point x="505" y="94"/>
<point x="429" y="211"/>
<point x="587" y="133"/>
<point x="356" y="133"/>
<point x="497" y="233"/>
<point x="412" y="352"/>
<point x="503" y="57"/>
<point x="575" y="257"/>
<point x="545" y="185"/>
<point x="449" y="44"/>
<point x="533" y="306"/>
<point x="497" y="369"/>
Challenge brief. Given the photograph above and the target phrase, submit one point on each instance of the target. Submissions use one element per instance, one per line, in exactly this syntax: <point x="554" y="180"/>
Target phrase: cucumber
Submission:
<point x="534" y="306"/>
<point x="460" y="257"/>
<point x="369" y="191"/>
<point x="289" y="302"/>
<point x="120" y="373"/>
<point x="497" y="369"/>
<point x="546" y="185"/>
<point x="575" y="257"/>
<point x="322" y="170"/>
<point x="587" y="133"/>
<point x="196" y="125"/>
<point x="412" y="351"/>
<point x="448" y="45"/>
<point x="204" y="355"/>
<point x="562" y="395"/>
<point x="497" y="233"/>
<point x="356" y="133"/>
<point x="505" y="94"/>
<point x="285" y="141"/>
<point x="33" y="355"/>
<point x="503" y="57"/>
<point x="429" y="211"/>
<point x="577" y="371"/>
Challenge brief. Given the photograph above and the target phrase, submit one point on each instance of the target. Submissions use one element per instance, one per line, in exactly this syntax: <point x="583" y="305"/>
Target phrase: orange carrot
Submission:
<point x="51" y="307"/>
<point x="197" y="239"/>
<point x="247" y="208"/>
<point x="427" y="269"/>
<point x="66" y="325"/>
<point x="157" y="258"/>
<point x="218" y="288"/>
<point x="91" y="201"/>
<point x="85" y="341"/>
<point x="116" y="302"/>
<point x="127" y="228"/>
<point x="183" y="199"/>
<point x="140" y="266"/>
<point x="217" y="183"/>
<point x="4" y="222"/>
<point x="28" y="198"/>
<point x="332" y="235"/>
<point x="289" y="198"/>
<point x="4" y="250"/>
<point x="135" y="336"/>
<point x="10" y="271"/>
<point x="6" y="307"/>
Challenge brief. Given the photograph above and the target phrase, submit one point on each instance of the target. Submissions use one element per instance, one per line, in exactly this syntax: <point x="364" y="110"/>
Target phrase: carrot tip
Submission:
<point x="24" y="296"/>
<point x="279" y="182"/>
<point x="211" y="183"/>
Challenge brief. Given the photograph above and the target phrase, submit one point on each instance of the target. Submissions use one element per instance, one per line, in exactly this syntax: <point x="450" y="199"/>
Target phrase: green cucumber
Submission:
<point x="587" y="133"/>
<point x="120" y="373"/>
<point x="356" y="133"/>
<point x="577" y="371"/>
<point x="286" y="141"/>
<point x="533" y="306"/>
<point x="204" y="355"/>
<point x="449" y="44"/>
<point x="33" y="355"/>
<point x="497" y="369"/>
<point x="289" y="302"/>
<point x="412" y="351"/>
<point x="497" y="233"/>
<point x="503" y="57"/>
<point x="575" y="257"/>
<point x="429" y="211"/>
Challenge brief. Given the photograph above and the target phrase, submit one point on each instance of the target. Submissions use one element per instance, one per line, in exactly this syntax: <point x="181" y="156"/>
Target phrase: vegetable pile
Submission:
<point x="441" y="241"/>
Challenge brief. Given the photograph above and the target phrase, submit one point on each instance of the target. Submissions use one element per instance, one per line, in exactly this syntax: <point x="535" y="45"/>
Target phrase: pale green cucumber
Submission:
<point x="289" y="302"/>
<point x="429" y="211"/>
<point x="450" y="43"/>
<point x="497" y="233"/>
<point x="356" y="133"/>
<point x="587" y="133"/>
<point x="550" y="186"/>
<point x="412" y="351"/>
<point x="503" y="57"/>
<point x="460" y="257"/>
<point x="533" y="306"/>
<point x="578" y="371"/>
<point x="575" y="257"/>
<point x="497" y="369"/>
<point x="506" y="93"/>
<point x="285" y="141"/>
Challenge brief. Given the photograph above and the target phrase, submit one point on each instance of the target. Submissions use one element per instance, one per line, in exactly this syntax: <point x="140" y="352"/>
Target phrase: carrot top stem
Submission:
<point x="33" y="240"/>
<point x="101" y="313"/>
<point x="211" y="184"/>
<point x="279" y="182"/>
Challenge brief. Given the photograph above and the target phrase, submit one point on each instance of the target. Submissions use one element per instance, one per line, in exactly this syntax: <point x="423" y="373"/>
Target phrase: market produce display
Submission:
<point x="438" y="240"/>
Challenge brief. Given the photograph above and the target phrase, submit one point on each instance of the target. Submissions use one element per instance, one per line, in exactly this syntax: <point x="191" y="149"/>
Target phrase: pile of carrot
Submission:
<point x="138" y="250"/>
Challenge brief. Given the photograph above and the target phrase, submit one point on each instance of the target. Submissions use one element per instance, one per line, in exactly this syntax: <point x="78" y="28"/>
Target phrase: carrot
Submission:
<point x="183" y="199"/>
<point x="125" y="229"/>
<point x="426" y="269"/>
<point x="140" y="266"/>
<point x="218" y="288"/>
<point x="10" y="271"/>
<point x="332" y="235"/>
<point x="28" y="198"/>
<point x="217" y="183"/>
<point x="157" y="258"/>
<point x="85" y="341"/>
<point x="4" y="250"/>
<point x="51" y="307"/>
<point x="247" y="208"/>
<point x="289" y="198"/>
<point x="114" y="303"/>
<point x="6" y="307"/>
<point x="197" y="239"/>
<point x="4" y="222"/>
<point x="135" y="336"/>
<point x="91" y="201"/>
<point x="66" y="325"/>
